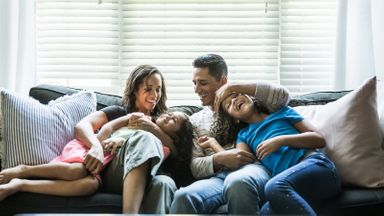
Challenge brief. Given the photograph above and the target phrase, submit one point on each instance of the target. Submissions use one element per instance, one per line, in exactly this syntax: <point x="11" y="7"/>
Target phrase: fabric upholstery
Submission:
<point x="35" y="133"/>
<point x="351" y="128"/>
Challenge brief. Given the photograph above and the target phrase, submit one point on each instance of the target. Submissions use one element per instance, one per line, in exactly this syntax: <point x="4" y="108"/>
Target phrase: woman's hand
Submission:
<point x="268" y="146"/>
<point x="113" y="144"/>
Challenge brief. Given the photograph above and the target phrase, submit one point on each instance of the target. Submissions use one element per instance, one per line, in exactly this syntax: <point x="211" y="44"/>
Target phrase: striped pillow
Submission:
<point x="34" y="133"/>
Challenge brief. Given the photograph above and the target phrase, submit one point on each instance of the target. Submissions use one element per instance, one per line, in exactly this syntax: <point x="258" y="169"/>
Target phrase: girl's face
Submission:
<point x="170" y="123"/>
<point x="238" y="106"/>
<point x="148" y="94"/>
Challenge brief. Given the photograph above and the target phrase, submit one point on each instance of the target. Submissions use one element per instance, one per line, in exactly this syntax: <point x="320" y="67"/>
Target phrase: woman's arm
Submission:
<point x="85" y="132"/>
<point x="308" y="138"/>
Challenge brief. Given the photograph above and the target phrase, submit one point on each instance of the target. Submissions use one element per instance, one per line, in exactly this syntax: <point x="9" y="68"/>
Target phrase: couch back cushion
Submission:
<point x="34" y="133"/>
<point x="45" y="93"/>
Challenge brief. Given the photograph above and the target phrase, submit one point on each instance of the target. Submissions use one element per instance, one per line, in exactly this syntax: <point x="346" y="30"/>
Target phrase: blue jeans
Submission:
<point x="241" y="190"/>
<point x="311" y="181"/>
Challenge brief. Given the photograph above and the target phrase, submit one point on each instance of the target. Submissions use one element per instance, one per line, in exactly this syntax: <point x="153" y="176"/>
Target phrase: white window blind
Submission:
<point x="88" y="45"/>
<point x="307" y="44"/>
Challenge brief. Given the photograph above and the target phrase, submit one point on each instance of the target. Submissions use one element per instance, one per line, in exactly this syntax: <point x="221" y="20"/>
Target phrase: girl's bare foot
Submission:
<point x="8" y="174"/>
<point x="10" y="188"/>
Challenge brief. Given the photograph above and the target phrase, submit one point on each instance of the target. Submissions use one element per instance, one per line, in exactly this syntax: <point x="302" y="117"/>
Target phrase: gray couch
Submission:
<point x="352" y="201"/>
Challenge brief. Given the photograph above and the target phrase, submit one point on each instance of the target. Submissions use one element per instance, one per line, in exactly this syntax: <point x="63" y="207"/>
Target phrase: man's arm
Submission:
<point x="273" y="96"/>
<point x="203" y="166"/>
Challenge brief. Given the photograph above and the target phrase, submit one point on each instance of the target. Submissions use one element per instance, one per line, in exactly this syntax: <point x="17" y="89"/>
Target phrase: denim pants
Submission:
<point x="311" y="181"/>
<point x="241" y="190"/>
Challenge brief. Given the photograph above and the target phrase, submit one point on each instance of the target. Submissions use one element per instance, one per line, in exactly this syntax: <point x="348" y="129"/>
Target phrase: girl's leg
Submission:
<point x="62" y="171"/>
<point x="79" y="187"/>
<point x="134" y="188"/>
<point x="291" y="192"/>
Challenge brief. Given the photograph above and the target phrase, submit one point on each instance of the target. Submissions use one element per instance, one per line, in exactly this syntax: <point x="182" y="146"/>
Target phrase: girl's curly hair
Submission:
<point x="179" y="166"/>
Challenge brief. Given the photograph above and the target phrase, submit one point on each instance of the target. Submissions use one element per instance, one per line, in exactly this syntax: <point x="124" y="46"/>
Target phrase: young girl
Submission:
<point x="285" y="144"/>
<point x="67" y="174"/>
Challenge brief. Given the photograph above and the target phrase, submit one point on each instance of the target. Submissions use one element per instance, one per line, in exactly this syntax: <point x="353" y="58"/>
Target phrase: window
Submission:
<point x="88" y="45"/>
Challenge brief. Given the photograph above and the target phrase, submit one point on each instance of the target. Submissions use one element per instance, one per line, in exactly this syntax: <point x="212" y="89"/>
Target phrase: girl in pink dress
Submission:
<point x="67" y="174"/>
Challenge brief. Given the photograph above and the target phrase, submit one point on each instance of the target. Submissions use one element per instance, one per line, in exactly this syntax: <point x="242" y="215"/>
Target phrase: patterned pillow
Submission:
<point x="34" y="133"/>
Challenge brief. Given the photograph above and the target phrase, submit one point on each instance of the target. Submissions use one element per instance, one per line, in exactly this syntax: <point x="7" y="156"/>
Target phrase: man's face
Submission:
<point x="206" y="85"/>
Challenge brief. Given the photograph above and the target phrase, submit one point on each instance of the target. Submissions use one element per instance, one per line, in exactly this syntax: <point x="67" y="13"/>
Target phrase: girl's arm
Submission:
<point x="146" y="124"/>
<point x="112" y="126"/>
<point x="308" y="138"/>
<point x="243" y="147"/>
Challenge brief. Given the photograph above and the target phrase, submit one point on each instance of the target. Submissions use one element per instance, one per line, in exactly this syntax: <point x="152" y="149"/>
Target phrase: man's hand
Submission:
<point x="209" y="142"/>
<point x="233" y="158"/>
<point x="94" y="160"/>
<point x="221" y="94"/>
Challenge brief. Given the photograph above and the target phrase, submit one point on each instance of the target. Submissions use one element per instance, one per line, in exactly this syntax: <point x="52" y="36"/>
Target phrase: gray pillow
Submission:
<point x="34" y="133"/>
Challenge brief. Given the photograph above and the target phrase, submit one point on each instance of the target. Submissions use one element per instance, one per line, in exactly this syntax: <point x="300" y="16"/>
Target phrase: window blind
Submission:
<point x="307" y="45"/>
<point x="95" y="46"/>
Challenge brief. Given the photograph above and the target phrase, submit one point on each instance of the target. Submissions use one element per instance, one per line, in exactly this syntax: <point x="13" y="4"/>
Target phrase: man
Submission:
<point x="232" y="176"/>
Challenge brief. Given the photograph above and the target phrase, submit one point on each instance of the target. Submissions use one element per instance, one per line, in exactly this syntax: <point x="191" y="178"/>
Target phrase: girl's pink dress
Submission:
<point x="75" y="152"/>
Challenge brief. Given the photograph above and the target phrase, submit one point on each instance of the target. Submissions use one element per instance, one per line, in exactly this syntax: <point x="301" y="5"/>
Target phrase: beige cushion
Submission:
<point x="380" y="97"/>
<point x="352" y="131"/>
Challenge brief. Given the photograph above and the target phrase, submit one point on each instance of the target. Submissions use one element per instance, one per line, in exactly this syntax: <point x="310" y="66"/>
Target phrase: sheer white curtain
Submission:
<point x="17" y="45"/>
<point x="360" y="48"/>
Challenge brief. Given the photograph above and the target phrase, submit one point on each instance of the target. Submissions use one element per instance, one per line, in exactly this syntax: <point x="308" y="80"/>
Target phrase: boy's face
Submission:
<point x="170" y="123"/>
<point x="238" y="106"/>
<point x="206" y="85"/>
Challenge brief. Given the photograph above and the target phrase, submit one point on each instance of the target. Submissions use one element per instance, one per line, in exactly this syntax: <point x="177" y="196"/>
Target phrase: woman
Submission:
<point x="144" y="92"/>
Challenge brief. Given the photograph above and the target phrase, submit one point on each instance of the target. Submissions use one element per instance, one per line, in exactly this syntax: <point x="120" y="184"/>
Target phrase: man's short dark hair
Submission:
<point x="215" y="64"/>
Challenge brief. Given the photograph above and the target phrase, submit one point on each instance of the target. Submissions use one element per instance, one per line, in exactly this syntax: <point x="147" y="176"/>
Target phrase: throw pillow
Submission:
<point x="380" y="100"/>
<point x="1" y="134"/>
<point x="352" y="131"/>
<point x="34" y="133"/>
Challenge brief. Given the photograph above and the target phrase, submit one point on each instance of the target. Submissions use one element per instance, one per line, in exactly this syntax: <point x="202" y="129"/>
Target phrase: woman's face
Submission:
<point x="238" y="106"/>
<point x="170" y="123"/>
<point x="148" y="94"/>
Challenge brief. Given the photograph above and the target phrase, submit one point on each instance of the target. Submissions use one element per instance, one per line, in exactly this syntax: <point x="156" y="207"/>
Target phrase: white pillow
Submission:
<point x="1" y="132"/>
<point x="380" y="100"/>
<point x="352" y="131"/>
<point x="34" y="133"/>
